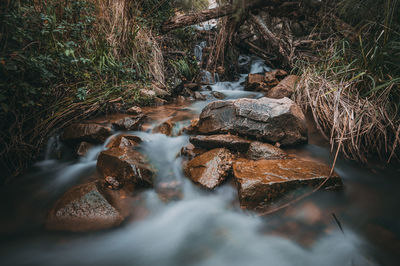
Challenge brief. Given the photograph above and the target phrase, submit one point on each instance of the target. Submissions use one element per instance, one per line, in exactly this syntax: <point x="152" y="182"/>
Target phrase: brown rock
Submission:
<point x="261" y="182"/>
<point x="260" y="150"/>
<point x="169" y="190"/>
<point x="159" y="102"/>
<point x="129" y="123"/>
<point x="218" y="95"/>
<point x="255" y="82"/>
<point x="164" y="128"/>
<point x="231" y="142"/>
<point x="83" y="208"/>
<point x="127" y="166"/>
<point x="272" y="78"/>
<point x="89" y="132"/>
<point x="199" y="96"/>
<point x="83" y="148"/>
<point x="270" y="120"/>
<point x="285" y="88"/>
<point x="135" y="110"/>
<point x="193" y="127"/>
<point x="190" y="151"/>
<point x="211" y="168"/>
<point x="124" y="141"/>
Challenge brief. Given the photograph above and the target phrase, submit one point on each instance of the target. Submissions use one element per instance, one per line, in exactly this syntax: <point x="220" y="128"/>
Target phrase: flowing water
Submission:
<point x="203" y="228"/>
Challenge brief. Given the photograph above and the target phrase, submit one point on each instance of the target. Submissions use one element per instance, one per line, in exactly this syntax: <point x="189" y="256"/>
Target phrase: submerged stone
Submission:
<point x="261" y="182"/>
<point x="211" y="168"/>
<point x="270" y="120"/>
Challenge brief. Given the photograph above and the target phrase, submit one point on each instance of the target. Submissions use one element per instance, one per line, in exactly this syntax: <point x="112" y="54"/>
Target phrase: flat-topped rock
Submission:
<point x="127" y="166"/>
<point x="88" y="131"/>
<point x="81" y="209"/>
<point x="270" y="120"/>
<point x="211" y="168"/>
<point x="261" y="182"/>
<point x="231" y="142"/>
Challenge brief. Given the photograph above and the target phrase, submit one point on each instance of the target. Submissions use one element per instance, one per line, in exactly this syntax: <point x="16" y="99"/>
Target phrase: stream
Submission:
<point x="357" y="226"/>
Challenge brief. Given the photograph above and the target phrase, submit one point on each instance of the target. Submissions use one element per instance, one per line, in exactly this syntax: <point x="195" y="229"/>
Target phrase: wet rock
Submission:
<point x="180" y="99"/>
<point x="124" y="141"/>
<point x="164" y="128"/>
<point x="255" y="82"/>
<point x="112" y="183"/>
<point x="128" y="166"/>
<point x="89" y="132"/>
<point x="260" y="150"/>
<point x="83" y="148"/>
<point x="261" y="182"/>
<point x="218" y="95"/>
<point x="129" y="123"/>
<point x="270" y="120"/>
<point x="285" y="88"/>
<point x="231" y="142"/>
<point x="199" y="96"/>
<point x="135" y="110"/>
<point x="159" y="101"/>
<point x="83" y="208"/>
<point x="190" y="151"/>
<point x="192" y="86"/>
<point x="192" y="128"/>
<point x="211" y="168"/>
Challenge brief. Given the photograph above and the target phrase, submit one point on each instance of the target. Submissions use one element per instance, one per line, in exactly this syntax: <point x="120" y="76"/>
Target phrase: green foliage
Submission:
<point x="185" y="67"/>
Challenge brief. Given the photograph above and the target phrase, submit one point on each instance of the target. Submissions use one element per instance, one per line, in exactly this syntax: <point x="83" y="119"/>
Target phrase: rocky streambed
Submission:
<point x="185" y="183"/>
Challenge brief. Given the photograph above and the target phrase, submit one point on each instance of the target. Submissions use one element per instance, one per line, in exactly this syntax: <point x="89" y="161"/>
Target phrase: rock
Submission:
<point x="146" y="93"/>
<point x="190" y="151"/>
<point x="89" y="132"/>
<point x="188" y="92"/>
<point x="231" y="142"/>
<point x="259" y="150"/>
<point x="124" y="141"/>
<point x="81" y="209"/>
<point x="135" y="110"/>
<point x="255" y="82"/>
<point x="199" y="96"/>
<point x="129" y="123"/>
<point x="192" y="128"/>
<point x="272" y="78"/>
<point x="180" y="99"/>
<point x="285" y="88"/>
<point x="159" y="101"/>
<point x="261" y="182"/>
<point x="112" y="183"/>
<point x="270" y="120"/>
<point x="211" y="168"/>
<point x="218" y="95"/>
<point x="164" y="128"/>
<point x="83" y="148"/>
<point x="192" y="86"/>
<point x="127" y="166"/>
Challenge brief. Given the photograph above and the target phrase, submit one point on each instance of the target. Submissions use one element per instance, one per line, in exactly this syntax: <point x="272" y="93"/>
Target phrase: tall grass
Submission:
<point x="354" y="90"/>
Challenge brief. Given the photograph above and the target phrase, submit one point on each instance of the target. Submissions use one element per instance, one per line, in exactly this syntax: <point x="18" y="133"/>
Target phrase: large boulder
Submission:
<point x="231" y="142"/>
<point x="285" y="88"/>
<point x="270" y="120"/>
<point x="89" y="131"/>
<point x="83" y="208"/>
<point x="261" y="182"/>
<point x="127" y="166"/>
<point x="211" y="168"/>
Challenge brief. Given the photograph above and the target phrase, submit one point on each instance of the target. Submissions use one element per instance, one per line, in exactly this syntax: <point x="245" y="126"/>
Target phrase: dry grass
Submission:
<point x="368" y="128"/>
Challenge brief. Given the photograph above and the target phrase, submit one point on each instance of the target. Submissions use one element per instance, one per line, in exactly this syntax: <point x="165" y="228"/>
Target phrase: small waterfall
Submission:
<point x="198" y="51"/>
